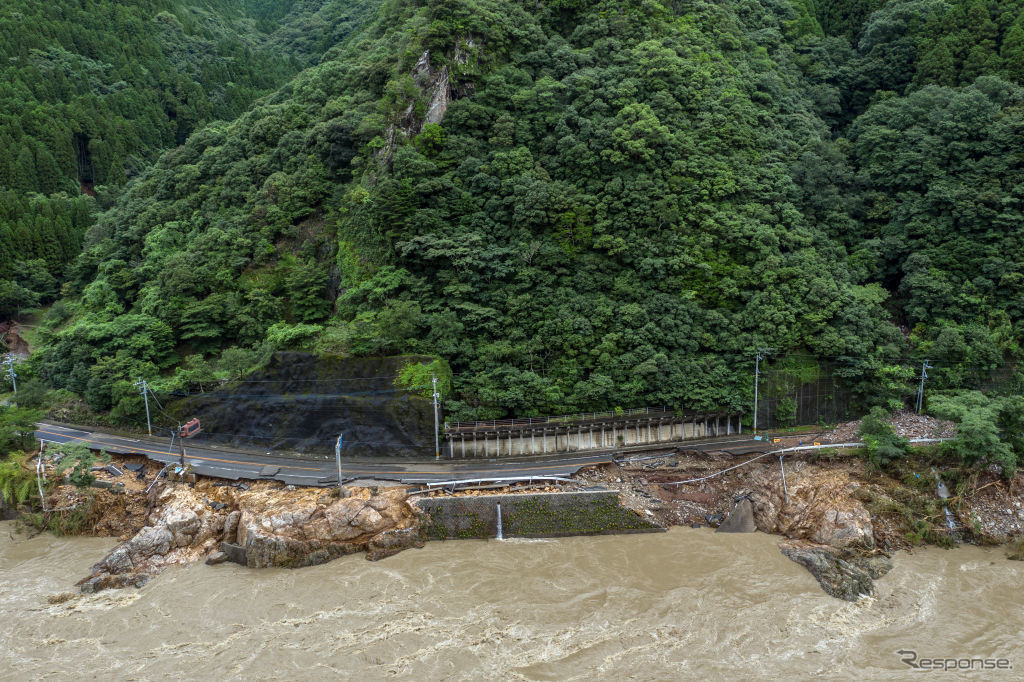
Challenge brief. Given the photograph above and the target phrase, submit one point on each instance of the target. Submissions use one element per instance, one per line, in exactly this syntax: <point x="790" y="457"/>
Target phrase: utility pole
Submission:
<point x="181" y="450"/>
<point x="757" y="379"/>
<point x="337" y="456"/>
<point x="11" y="374"/>
<point x="143" y="388"/>
<point x="920" y="389"/>
<point x="436" y="395"/>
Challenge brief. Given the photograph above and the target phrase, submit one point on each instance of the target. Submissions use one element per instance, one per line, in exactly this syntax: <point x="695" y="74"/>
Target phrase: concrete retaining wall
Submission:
<point x="551" y="438"/>
<point x="529" y="516"/>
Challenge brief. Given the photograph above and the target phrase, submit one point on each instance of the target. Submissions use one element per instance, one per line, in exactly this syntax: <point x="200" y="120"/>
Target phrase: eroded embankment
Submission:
<point x="260" y="526"/>
<point x="836" y="518"/>
<point x="263" y="524"/>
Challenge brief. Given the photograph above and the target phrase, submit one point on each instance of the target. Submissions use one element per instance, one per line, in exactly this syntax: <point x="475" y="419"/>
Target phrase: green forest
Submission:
<point x="92" y="92"/>
<point x="571" y="205"/>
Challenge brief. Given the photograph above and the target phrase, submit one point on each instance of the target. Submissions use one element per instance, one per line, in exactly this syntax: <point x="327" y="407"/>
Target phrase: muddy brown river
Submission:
<point x="687" y="603"/>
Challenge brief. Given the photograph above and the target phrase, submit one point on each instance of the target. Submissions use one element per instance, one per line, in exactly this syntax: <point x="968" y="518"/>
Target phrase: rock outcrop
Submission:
<point x="820" y="508"/>
<point x="740" y="519"/>
<point x="436" y="90"/>
<point x="262" y="527"/>
<point x="841" y="573"/>
<point x="828" y="531"/>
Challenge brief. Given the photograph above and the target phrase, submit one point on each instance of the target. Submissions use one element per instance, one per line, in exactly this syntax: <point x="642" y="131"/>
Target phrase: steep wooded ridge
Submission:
<point x="92" y="92"/>
<point x="583" y="204"/>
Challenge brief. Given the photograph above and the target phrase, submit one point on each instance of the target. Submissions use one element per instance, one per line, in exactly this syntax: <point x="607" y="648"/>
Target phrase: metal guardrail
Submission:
<point x="560" y="419"/>
<point x="435" y="486"/>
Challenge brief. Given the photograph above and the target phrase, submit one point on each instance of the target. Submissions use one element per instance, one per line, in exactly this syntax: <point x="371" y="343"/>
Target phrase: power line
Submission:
<point x="301" y="381"/>
<point x="280" y="395"/>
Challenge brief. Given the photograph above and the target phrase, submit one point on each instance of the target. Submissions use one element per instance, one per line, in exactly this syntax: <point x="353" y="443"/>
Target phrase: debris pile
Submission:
<point x="905" y="423"/>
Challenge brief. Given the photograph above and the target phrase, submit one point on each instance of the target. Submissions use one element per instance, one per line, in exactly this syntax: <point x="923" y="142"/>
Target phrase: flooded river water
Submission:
<point x="663" y="606"/>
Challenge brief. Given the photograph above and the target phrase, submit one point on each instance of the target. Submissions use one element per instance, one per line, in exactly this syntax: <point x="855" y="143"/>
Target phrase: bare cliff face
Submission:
<point x="819" y="508"/>
<point x="435" y="88"/>
<point x="260" y="528"/>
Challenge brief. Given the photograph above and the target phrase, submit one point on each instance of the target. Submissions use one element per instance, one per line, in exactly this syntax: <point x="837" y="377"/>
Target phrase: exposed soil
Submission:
<point x="904" y="507"/>
<point x="11" y="336"/>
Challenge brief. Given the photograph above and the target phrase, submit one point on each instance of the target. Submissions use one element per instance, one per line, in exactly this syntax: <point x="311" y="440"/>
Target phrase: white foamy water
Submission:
<point x="687" y="603"/>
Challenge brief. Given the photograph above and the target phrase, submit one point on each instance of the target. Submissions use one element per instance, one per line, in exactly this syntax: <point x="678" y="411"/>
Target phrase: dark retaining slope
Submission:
<point x="301" y="402"/>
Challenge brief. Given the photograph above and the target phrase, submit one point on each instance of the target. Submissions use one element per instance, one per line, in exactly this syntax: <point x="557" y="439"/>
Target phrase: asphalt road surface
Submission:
<point x="233" y="464"/>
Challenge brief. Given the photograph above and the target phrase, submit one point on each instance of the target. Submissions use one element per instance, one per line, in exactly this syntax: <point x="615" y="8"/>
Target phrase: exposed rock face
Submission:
<point x="269" y="527"/>
<point x="741" y="519"/>
<point x="436" y="84"/>
<point x="307" y="532"/>
<point x="830" y="532"/>
<point x="436" y="89"/>
<point x="820" y="508"/>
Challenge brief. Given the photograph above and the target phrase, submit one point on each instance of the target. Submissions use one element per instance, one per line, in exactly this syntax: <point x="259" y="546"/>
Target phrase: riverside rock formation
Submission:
<point x="828" y="531"/>
<point x="841" y="573"/>
<point x="263" y="527"/>
<point x="819" y="510"/>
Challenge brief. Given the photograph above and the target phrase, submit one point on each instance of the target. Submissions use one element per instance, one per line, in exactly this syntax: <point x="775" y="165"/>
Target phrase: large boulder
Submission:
<point x="150" y="541"/>
<point x="741" y="519"/>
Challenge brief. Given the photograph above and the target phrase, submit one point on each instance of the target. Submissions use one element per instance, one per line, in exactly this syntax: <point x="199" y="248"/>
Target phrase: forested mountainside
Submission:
<point x="92" y="92"/>
<point x="582" y="204"/>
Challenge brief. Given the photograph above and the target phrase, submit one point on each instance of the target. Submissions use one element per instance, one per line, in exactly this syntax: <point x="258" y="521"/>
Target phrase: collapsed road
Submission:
<point x="234" y="464"/>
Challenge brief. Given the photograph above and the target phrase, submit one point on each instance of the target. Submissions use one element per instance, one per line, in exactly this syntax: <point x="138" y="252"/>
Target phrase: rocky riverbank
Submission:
<point x="835" y="517"/>
<point x="260" y="527"/>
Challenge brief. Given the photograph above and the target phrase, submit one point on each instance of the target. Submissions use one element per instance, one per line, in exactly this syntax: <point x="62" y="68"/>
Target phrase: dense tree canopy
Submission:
<point x="91" y="93"/>
<point x="588" y="203"/>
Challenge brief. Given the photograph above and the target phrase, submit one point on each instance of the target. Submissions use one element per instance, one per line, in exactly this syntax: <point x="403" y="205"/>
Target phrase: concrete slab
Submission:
<point x="741" y="519"/>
